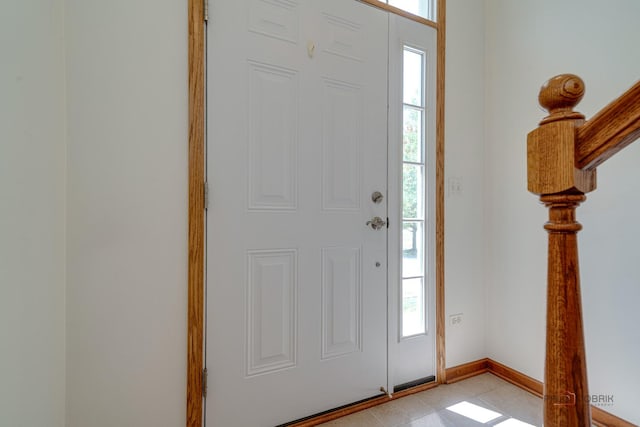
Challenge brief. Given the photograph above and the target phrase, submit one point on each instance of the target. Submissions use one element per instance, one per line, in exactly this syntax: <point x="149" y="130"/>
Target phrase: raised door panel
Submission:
<point x="271" y="310"/>
<point x="341" y="145"/>
<point x="273" y="137"/>
<point x="341" y="301"/>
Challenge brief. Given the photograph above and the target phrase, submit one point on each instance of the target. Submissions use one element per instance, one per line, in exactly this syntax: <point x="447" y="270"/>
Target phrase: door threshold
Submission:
<point x="322" y="415"/>
<point x="412" y="387"/>
<point x="414" y="383"/>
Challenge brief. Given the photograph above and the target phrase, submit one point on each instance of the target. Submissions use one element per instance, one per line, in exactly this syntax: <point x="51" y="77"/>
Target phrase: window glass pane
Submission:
<point x="412" y="191"/>
<point x="412" y="77"/>
<point x="413" y="307"/>
<point x="412" y="249"/>
<point x="423" y="8"/>
<point x="417" y="7"/>
<point x="412" y="135"/>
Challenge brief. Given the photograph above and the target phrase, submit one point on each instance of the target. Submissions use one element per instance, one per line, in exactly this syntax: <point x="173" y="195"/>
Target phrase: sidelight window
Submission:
<point x="413" y="293"/>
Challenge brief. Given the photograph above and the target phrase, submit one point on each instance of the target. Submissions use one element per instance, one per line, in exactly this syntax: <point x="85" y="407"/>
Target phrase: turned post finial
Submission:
<point x="559" y="95"/>
<point x="551" y="148"/>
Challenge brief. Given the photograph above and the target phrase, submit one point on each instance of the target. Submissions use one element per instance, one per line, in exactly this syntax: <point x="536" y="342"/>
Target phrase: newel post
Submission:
<point x="552" y="174"/>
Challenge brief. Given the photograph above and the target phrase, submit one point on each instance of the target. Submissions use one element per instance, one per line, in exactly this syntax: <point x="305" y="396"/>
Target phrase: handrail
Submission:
<point x="562" y="156"/>
<point x="610" y="130"/>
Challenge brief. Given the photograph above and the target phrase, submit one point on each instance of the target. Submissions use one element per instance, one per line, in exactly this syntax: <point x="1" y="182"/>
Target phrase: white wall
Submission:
<point x="465" y="240"/>
<point x="32" y="191"/>
<point x="127" y="212"/>
<point x="526" y="43"/>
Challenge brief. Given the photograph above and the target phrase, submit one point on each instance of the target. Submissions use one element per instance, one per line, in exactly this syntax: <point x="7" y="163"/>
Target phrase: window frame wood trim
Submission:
<point x="441" y="375"/>
<point x="196" y="237"/>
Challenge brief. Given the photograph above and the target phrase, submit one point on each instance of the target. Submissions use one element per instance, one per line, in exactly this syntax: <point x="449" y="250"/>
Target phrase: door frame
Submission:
<point x="196" y="378"/>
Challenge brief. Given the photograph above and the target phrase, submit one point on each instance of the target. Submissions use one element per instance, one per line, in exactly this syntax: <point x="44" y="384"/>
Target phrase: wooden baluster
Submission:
<point x="553" y="175"/>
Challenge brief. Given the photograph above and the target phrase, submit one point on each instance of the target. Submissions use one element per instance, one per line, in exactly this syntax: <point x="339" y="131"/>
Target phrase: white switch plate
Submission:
<point x="455" y="319"/>
<point x="454" y="186"/>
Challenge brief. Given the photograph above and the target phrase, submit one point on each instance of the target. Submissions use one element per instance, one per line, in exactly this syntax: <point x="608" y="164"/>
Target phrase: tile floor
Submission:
<point x="515" y="407"/>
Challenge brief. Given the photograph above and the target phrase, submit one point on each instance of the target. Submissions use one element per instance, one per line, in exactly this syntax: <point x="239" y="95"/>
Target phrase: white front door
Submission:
<point x="297" y="145"/>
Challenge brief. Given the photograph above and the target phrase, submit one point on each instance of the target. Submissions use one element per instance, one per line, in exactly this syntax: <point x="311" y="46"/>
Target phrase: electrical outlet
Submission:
<point x="455" y="319"/>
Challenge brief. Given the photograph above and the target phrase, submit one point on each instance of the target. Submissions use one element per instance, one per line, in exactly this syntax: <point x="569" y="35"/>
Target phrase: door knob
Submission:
<point x="376" y="223"/>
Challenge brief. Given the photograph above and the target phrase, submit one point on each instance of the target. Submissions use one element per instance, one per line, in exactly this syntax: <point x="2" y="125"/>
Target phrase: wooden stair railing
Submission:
<point x="562" y="156"/>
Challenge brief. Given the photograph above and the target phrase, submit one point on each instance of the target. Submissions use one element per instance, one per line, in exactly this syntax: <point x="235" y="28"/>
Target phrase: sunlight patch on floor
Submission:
<point x="512" y="422"/>
<point x="475" y="412"/>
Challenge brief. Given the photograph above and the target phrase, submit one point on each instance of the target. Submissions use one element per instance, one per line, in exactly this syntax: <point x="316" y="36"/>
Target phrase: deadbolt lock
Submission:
<point x="377" y="197"/>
